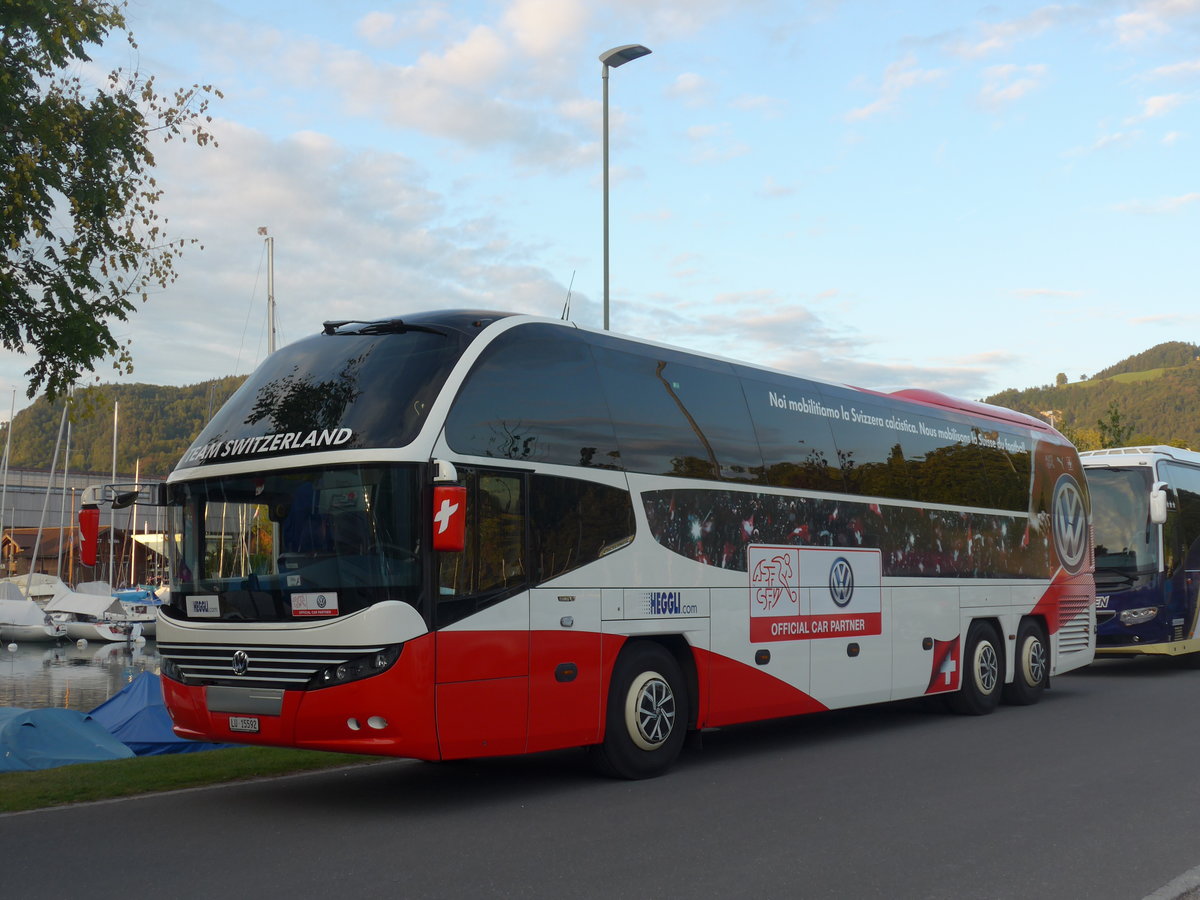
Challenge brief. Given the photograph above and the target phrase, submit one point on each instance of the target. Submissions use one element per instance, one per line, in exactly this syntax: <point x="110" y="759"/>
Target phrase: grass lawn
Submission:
<point x="147" y="774"/>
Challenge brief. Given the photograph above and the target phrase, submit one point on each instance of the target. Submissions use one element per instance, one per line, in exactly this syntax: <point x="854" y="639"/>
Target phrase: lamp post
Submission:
<point x="617" y="56"/>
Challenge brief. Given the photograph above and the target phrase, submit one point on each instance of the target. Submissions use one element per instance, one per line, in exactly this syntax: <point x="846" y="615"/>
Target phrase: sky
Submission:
<point x="958" y="196"/>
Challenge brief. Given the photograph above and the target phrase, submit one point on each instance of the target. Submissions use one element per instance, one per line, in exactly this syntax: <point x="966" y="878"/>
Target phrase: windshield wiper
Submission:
<point x="378" y="326"/>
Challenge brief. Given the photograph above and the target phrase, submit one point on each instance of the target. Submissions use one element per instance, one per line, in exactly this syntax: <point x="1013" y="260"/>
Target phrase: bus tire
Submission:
<point x="983" y="673"/>
<point x="647" y="717"/>
<point x="1031" y="667"/>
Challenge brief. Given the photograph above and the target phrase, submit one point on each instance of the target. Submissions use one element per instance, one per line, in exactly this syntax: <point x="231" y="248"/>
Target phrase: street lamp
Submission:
<point x="617" y="56"/>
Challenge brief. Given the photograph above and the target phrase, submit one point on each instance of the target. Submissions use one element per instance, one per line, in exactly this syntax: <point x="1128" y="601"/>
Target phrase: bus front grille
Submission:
<point x="259" y="666"/>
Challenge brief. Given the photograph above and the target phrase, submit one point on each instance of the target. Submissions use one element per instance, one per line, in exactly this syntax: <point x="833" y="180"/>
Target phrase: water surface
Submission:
<point x="46" y="674"/>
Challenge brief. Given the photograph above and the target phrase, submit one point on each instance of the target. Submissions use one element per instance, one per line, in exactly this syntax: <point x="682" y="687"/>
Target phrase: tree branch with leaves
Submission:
<point x="83" y="239"/>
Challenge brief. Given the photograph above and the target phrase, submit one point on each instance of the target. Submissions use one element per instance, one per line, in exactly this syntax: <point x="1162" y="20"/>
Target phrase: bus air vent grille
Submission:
<point x="1074" y="624"/>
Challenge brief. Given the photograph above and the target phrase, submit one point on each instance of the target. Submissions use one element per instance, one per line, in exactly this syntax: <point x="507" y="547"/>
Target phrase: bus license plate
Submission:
<point x="244" y="723"/>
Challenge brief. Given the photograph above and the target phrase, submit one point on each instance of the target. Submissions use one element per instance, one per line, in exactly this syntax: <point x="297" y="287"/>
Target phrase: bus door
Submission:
<point x="482" y="619"/>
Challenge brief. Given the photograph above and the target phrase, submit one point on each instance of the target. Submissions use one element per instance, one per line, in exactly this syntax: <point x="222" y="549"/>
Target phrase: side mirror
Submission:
<point x="89" y="528"/>
<point x="1158" y="503"/>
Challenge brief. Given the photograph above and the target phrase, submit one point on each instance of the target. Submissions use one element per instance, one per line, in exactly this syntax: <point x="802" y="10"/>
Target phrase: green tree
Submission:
<point x="82" y="238"/>
<point x="1060" y="379"/>
<point x="1112" y="432"/>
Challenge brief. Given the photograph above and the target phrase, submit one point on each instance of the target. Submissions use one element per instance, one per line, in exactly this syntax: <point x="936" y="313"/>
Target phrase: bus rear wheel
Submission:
<point x="647" y="717"/>
<point x="1032" y="666"/>
<point x="983" y="673"/>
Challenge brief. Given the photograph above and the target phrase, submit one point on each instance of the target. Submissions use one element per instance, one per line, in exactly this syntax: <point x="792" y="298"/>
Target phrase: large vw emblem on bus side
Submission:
<point x="841" y="581"/>
<point x="241" y="662"/>
<point x="1070" y="524"/>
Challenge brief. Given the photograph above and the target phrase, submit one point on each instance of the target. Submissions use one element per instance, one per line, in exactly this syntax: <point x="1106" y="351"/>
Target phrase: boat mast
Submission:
<point x="270" y="290"/>
<point x="62" y="507"/>
<point x="7" y="448"/>
<point x="112" y="513"/>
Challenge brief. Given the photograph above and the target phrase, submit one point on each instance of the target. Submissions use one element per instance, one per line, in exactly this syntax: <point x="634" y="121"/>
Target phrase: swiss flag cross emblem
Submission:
<point x="449" y="518"/>
<point x="945" y="674"/>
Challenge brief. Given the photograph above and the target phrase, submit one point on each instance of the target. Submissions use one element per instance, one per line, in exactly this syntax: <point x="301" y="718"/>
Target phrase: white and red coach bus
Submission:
<point x="466" y="534"/>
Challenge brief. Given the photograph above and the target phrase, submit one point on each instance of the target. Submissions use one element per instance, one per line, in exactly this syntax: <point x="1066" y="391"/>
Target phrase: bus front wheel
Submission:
<point x="983" y="673"/>
<point x="647" y="717"/>
<point x="1032" y="666"/>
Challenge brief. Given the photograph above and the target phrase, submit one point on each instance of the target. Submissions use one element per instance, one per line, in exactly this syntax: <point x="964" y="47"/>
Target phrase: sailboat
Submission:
<point x="91" y="612"/>
<point x="23" y="620"/>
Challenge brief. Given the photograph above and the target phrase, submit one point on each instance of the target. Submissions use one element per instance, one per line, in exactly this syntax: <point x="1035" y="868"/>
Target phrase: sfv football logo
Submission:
<point x="841" y="582"/>
<point x="1070" y="523"/>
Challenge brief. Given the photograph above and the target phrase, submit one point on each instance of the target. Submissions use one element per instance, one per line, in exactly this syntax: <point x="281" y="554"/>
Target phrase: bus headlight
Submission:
<point x="170" y="670"/>
<point x="1139" y="615"/>
<point x="356" y="668"/>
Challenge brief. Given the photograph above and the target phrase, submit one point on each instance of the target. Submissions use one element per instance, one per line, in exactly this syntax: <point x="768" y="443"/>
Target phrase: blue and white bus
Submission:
<point x="1146" y="515"/>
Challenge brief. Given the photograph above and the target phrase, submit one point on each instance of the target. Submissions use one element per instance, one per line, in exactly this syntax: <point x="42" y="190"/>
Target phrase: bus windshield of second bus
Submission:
<point x="1127" y="543"/>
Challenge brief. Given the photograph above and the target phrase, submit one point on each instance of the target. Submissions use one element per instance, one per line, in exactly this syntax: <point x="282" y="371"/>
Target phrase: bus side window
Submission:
<point x="575" y="523"/>
<point x="1181" y="534"/>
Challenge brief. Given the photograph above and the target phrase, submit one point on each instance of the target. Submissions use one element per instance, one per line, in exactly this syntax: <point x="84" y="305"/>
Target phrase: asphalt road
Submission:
<point x="1092" y="793"/>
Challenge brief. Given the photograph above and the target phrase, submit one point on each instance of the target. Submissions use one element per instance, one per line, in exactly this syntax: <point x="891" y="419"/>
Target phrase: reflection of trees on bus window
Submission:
<point x="293" y="403"/>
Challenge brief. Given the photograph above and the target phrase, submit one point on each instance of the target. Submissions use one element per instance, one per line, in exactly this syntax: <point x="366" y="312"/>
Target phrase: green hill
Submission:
<point x="155" y="425"/>
<point x="1156" y="395"/>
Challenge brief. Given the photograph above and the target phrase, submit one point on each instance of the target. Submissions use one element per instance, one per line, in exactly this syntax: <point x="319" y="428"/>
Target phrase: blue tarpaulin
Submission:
<point x="47" y="738"/>
<point x="137" y="716"/>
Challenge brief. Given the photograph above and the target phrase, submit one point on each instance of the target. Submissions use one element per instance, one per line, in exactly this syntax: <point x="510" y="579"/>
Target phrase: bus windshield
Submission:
<point x="296" y="544"/>
<point x="1126" y="542"/>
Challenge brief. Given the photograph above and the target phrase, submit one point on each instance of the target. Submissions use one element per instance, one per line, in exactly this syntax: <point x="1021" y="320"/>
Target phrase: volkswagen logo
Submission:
<point x="841" y="582"/>
<point x="241" y="662"/>
<point x="1070" y="524"/>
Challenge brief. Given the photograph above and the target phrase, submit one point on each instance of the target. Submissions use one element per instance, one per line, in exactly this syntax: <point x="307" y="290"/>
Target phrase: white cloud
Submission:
<point x="1153" y="107"/>
<point x="544" y="28"/>
<point x="1153" y="18"/>
<point x="1165" y="206"/>
<point x="900" y="77"/>
<point x="1009" y="83"/>
<point x="418" y="20"/>
<point x="772" y="188"/>
<point x="1191" y="67"/>
<point x="993" y="37"/>
<point x="1046" y="292"/>
<point x="691" y="89"/>
<point x="357" y="235"/>
<point x="770" y="107"/>
<point x="1107" y="141"/>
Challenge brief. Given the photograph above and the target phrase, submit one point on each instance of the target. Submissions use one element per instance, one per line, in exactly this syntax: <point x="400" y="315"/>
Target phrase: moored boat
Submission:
<point x="23" y="620"/>
<point x="92" y="615"/>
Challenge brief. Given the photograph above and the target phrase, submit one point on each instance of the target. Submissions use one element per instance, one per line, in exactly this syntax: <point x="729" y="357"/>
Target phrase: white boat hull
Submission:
<point x="104" y="631"/>
<point x="44" y="633"/>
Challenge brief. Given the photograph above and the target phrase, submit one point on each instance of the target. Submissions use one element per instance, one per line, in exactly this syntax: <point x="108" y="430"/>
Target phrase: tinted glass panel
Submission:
<point x="533" y="395"/>
<point x="576" y="522"/>
<point x="869" y="445"/>
<point x="333" y="391"/>
<point x="791" y="422"/>
<point x="1182" y="537"/>
<point x="673" y="418"/>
